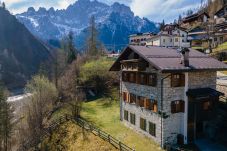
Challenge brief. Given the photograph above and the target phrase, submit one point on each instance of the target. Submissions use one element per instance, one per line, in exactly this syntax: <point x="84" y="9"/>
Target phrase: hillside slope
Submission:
<point x="20" y="52"/>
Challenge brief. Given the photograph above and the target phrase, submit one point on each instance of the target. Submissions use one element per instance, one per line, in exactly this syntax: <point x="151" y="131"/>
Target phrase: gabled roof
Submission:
<point x="194" y="16"/>
<point x="168" y="60"/>
<point x="221" y="9"/>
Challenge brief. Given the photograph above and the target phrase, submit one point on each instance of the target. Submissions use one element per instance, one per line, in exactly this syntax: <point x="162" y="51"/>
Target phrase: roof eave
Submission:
<point x="191" y="70"/>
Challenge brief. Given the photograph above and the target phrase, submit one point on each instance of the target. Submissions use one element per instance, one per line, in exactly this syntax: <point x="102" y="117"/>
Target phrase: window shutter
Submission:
<point x="182" y="103"/>
<point x="128" y="97"/>
<point x="154" y="80"/>
<point x="182" y="80"/>
<point x="155" y="106"/>
<point x="172" y="81"/>
<point x="173" y="107"/>
<point x="138" y="78"/>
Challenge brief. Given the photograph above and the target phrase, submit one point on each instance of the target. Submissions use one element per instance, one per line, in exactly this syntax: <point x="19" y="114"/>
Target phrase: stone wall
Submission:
<point x="202" y="79"/>
<point x="145" y="91"/>
<point x="174" y="124"/>
<point x="145" y="114"/>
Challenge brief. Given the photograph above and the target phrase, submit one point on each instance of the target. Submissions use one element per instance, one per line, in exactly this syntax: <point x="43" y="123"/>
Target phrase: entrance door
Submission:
<point x="199" y="130"/>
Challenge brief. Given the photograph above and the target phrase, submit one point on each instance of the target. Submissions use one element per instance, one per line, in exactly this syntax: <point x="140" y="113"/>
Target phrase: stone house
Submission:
<point x="194" y="20"/>
<point x="166" y="95"/>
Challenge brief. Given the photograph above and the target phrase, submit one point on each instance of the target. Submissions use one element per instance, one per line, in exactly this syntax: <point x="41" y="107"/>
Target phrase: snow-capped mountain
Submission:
<point x="115" y="23"/>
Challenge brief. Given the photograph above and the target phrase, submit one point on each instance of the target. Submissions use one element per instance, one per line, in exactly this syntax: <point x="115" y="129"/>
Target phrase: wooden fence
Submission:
<point x="105" y="136"/>
<point x="82" y="123"/>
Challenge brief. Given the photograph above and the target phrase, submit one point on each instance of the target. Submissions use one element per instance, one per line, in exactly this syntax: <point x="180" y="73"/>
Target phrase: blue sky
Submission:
<point x="155" y="10"/>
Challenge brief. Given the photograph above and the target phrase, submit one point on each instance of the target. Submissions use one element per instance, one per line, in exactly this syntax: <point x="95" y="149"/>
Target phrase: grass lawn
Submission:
<point x="106" y="116"/>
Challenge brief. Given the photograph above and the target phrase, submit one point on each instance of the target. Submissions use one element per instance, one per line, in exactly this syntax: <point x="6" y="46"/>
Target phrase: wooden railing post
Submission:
<point x="120" y="146"/>
<point x="99" y="132"/>
<point x="109" y="138"/>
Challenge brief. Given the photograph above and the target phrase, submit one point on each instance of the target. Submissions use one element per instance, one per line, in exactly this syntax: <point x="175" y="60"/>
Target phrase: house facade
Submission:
<point x="140" y="38"/>
<point x="174" y="38"/>
<point x="195" y="20"/>
<point x="167" y="96"/>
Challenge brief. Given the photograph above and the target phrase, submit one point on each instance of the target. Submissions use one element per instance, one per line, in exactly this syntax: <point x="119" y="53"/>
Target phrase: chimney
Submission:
<point x="185" y="57"/>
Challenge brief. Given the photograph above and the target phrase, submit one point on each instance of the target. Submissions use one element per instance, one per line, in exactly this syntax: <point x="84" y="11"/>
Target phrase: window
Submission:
<point x="141" y="101"/>
<point x="143" y="124"/>
<point x="182" y="40"/>
<point x="177" y="106"/>
<point x="142" y="79"/>
<point x="177" y="80"/>
<point x="132" y="118"/>
<point x="125" y="76"/>
<point x="176" y="39"/>
<point x="153" y="106"/>
<point x="132" y="98"/>
<point x="171" y="40"/>
<point x="207" y="105"/>
<point x="164" y="40"/>
<point x="126" y="115"/>
<point x="152" y="80"/>
<point x="132" y="77"/>
<point x="152" y="129"/>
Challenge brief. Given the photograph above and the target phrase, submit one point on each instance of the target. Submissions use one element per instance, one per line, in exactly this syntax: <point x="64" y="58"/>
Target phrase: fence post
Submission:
<point x="109" y="138"/>
<point x="120" y="145"/>
<point x="99" y="132"/>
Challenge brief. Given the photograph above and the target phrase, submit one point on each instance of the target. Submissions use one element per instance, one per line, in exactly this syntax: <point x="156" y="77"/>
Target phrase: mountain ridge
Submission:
<point x="114" y="22"/>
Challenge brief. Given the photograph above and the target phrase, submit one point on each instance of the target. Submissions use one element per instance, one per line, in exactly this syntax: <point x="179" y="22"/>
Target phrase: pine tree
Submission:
<point x="6" y="125"/>
<point x="92" y="39"/>
<point x="3" y="5"/>
<point x="69" y="48"/>
<point x="72" y="52"/>
<point x="179" y="19"/>
<point x="162" y="25"/>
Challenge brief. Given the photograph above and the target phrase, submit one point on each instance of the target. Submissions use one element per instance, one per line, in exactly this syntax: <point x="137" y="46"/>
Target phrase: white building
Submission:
<point x="178" y="38"/>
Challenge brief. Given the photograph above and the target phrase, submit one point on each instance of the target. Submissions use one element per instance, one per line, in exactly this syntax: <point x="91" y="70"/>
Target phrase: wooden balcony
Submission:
<point x="133" y="65"/>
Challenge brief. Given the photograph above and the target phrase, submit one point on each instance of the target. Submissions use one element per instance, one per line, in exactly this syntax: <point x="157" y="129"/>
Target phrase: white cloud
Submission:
<point x="160" y="9"/>
<point x="153" y="9"/>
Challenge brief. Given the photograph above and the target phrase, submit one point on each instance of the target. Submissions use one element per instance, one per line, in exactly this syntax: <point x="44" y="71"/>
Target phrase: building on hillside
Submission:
<point x="199" y="39"/>
<point x="221" y="15"/>
<point x="176" y="37"/>
<point x="220" y="26"/>
<point x="140" y="38"/>
<point x="194" y="20"/>
<point x="169" y="97"/>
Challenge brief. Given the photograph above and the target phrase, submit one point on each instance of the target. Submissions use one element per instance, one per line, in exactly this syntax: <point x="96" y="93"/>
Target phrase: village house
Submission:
<point x="140" y="38"/>
<point x="176" y="37"/>
<point x="220" y="26"/>
<point x="199" y="38"/>
<point x="194" y="20"/>
<point x="167" y="95"/>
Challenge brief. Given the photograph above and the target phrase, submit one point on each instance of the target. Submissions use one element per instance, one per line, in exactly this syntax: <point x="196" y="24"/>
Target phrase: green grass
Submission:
<point x="104" y="113"/>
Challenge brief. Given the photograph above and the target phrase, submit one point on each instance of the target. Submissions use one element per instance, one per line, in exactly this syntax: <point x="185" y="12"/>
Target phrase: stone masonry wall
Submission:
<point x="145" y="91"/>
<point x="174" y="124"/>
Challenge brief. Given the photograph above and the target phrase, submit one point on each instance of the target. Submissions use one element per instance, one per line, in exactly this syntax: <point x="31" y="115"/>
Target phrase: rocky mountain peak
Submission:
<point x="114" y="22"/>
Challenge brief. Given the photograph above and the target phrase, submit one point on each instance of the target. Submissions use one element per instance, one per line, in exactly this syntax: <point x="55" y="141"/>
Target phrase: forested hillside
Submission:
<point x="20" y="52"/>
